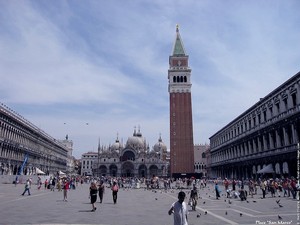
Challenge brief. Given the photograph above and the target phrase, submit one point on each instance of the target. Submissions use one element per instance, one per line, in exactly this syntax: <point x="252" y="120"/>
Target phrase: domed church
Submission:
<point x="135" y="159"/>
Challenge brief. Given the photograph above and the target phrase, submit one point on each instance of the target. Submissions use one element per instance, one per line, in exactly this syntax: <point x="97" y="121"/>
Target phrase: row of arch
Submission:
<point x="9" y="169"/>
<point x="179" y="79"/>
<point x="269" y="140"/>
<point x="128" y="169"/>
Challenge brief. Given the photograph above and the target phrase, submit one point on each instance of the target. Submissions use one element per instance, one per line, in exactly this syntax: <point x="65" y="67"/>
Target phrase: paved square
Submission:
<point x="137" y="207"/>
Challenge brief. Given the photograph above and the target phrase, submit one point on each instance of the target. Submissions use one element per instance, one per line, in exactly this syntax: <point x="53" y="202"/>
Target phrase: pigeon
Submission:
<point x="155" y="198"/>
<point x="247" y="201"/>
<point x="203" y="202"/>
<point x="229" y="202"/>
<point x="241" y="214"/>
<point x="254" y="201"/>
<point x="280" y="205"/>
<point x="226" y="213"/>
<point x="224" y="200"/>
<point x="279" y="217"/>
<point x="198" y="215"/>
<point x="277" y="201"/>
<point x="205" y="212"/>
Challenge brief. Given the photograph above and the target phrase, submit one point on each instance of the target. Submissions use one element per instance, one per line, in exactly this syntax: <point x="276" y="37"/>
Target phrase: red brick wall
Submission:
<point x="181" y="124"/>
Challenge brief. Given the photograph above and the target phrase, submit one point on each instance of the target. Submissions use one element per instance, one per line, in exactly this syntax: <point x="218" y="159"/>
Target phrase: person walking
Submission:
<point x="179" y="210"/>
<point x="53" y="184"/>
<point x="263" y="186"/>
<point x="66" y="187"/>
<point x="16" y="180"/>
<point x="101" y="190"/>
<point x="93" y="195"/>
<point x="46" y="184"/>
<point x="27" y="187"/>
<point x="115" y="190"/>
<point x="217" y="190"/>
<point x="194" y="197"/>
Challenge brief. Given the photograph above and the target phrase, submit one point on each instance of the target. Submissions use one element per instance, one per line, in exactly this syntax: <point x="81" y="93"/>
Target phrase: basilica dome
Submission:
<point x="116" y="146"/>
<point x="160" y="146"/>
<point x="136" y="141"/>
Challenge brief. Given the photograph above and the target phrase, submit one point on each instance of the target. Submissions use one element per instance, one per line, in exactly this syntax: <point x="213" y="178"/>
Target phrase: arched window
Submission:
<point x="203" y="155"/>
<point x="185" y="79"/>
<point x="178" y="79"/>
<point x="174" y="79"/>
<point x="181" y="79"/>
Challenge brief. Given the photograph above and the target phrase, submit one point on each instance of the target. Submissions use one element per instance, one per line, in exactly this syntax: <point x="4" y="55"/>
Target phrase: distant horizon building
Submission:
<point x="181" y="122"/>
<point x="132" y="159"/>
<point x="200" y="156"/>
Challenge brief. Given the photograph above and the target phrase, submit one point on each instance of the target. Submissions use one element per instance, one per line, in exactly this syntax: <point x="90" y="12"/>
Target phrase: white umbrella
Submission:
<point x="61" y="173"/>
<point x="39" y="171"/>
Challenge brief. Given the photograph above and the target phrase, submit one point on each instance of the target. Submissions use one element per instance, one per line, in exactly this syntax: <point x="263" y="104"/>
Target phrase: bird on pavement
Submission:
<point x="226" y="213"/>
<point x="279" y="217"/>
<point x="277" y="201"/>
<point x="241" y="214"/>
<point x="198" y="215"/>
<point x="205" y="212"/>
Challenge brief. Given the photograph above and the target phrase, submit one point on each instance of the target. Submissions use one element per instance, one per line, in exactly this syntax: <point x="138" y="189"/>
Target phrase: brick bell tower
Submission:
<point x="181" y="121"/>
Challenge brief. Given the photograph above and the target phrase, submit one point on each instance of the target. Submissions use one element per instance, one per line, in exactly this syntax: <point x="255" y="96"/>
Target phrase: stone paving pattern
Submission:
<point x="138" y="207"/>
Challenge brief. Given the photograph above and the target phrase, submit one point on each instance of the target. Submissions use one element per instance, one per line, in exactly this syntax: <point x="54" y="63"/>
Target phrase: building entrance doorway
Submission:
<point x="127" y="169"/>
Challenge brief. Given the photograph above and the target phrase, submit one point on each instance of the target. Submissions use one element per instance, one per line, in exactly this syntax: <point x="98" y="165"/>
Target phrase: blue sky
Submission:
<point x="68" y="63"/>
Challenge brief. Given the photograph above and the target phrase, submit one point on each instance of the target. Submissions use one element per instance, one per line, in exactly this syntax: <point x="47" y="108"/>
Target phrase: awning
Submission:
<point x="267" y="169"/>
<point x="38" y="171"/>
<point x="61" y="173"/>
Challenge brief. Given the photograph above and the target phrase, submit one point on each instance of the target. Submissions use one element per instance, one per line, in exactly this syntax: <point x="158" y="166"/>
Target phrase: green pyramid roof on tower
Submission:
<point x="178" y="49"/>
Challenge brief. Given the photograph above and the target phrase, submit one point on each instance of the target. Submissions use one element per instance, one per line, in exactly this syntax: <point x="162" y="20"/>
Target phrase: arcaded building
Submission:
<point x="181" y="121"/>
<point x="134" y="159"/>
<point x="263" y="140"/>
<point x="24" y="147"/>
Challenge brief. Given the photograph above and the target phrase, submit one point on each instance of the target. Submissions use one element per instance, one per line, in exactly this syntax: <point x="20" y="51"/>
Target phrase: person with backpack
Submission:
<point x="115" y="190"/>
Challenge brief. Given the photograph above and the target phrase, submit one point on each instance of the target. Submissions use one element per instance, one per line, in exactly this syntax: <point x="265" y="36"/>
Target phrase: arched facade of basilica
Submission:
<point x="135" y="159"/>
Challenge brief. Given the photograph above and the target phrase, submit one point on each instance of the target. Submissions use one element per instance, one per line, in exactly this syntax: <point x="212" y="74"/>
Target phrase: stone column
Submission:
<point x="265" y="142"/>
<point x="259" y="143"/>
<point x="285" y="136"/>
<point x="294" y="133"/>
<point x="271" y="141"/>
<point x="254" y="146"/>
<point x="278" y="143"/>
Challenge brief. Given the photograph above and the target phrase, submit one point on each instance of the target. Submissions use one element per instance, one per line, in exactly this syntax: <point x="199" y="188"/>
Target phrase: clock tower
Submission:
<point x="181" y="121"/>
